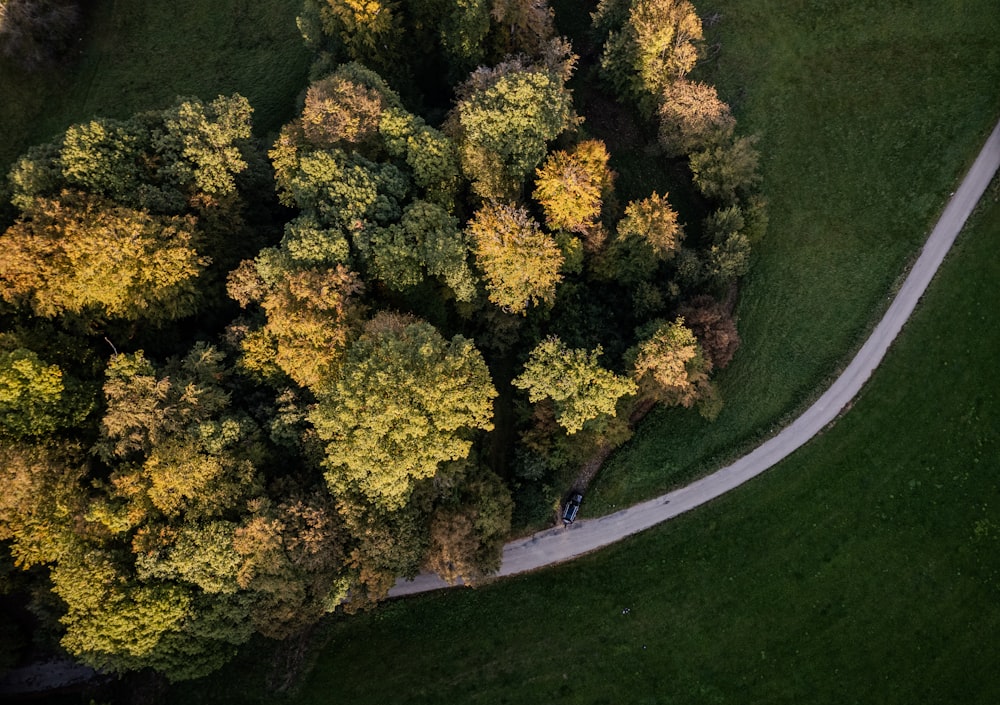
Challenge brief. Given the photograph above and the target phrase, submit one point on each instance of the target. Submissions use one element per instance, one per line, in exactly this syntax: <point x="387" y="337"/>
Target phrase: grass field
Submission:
<point x="866" y="568"/>
<point x="868" y="114"/>
<point x="138" y="55"/>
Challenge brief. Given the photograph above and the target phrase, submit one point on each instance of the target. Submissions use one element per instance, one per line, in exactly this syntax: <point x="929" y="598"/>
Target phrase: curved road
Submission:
<point x="561" y="544"/>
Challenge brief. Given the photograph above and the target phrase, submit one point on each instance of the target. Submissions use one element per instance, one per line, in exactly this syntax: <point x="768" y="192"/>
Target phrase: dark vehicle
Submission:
<point x="572" y="508"/>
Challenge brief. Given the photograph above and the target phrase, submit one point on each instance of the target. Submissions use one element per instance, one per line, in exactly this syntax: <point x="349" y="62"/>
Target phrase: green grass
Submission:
<point x="864" y="569"/>
<point x="868" y="115"/>
<point x="138" y="55"/>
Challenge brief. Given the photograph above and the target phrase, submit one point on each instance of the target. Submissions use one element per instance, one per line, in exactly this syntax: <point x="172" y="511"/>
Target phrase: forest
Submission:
<point x="246" y="383"/>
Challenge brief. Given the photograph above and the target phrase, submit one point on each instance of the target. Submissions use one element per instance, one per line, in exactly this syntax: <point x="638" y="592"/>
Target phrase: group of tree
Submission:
<point x="244" y="386"/>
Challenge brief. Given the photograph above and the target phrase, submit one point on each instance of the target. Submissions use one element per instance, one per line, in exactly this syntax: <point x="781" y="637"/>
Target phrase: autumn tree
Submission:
<point x="713" y="325"/>
<point x="311" y="316"/>
<point x="292" y="560"/>
<point x="503" y="121"/>
<point x="655" y="44"/>
<point x="42" y="501"/>
<point x="646" y="236"/>
<point x="80" y="254"/>
<point x="571" y="186"/>
<point x="573" y="379"/>
<point x="520" y="263"/>
<point x="407" y="400"/>
<point x="692" y="117"/>
<point x="669" y="365"/>
<point x="339" y="110"/>
<point x="467" y="537"/>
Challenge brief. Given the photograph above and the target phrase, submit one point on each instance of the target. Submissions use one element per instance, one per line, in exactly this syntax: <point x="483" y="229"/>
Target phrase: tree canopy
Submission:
<point x="404" y="404"/>
<point x="443" y="306"/>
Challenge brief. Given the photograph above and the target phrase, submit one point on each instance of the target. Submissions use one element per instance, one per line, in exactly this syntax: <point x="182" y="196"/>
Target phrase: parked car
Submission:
<point x="572" y="508"/>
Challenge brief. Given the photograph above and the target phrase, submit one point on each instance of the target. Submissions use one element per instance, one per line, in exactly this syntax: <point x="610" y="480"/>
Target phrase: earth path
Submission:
<point x="561" y="544"/>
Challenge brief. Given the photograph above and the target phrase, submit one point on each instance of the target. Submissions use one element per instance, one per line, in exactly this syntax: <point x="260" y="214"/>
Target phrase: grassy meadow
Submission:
<point x="868" y="114"/>
<point x="136" y="55"/>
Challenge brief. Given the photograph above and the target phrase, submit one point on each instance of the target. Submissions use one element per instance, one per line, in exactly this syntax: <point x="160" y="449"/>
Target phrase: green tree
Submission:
<point x="520" y="263"/>
<point x="35" y="397"/>
<point x="368" y="30"/>
<point x="729" y="254"/>
<point x="407" y="401"/>
<point x="573" y="379"/>
<point x="503" y="121"/>
<point x="164" y="161"/>
<point x="463" y="33"/>
<point x="79" y="254"/>
<point x="727" y="171"/>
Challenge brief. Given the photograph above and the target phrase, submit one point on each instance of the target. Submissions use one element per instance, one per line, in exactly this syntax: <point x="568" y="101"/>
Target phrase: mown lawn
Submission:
<point x="138" y="55"/>
<point x="864" y="569"/>
<point x="868" y="114"/>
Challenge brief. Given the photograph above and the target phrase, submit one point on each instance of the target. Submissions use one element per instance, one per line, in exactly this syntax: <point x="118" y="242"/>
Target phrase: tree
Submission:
<point x="407" y="400"/>
<point x="726" y="171"/>
<point x="168" y="162"/>
<point x="292" y="561"/>
<point x="503" y="121"/>
<point x="524" y="26"/>
<point x="729" y="255"/>
<point x="368" y="31"/>
<point x="571" y="187"/>
<point x="466" y="541"/>
<point x="714" y="327"/>
<point x="669" y="365"/>
<point x="648" y="235"/>
<point x="312" y="314"/>
<point x="338" y="110"/>
<point x="116" y="622"/>
<point x="692" y="117"/>
<point x="573" y="379"/>
<point x="656" y="45"/>
<point x="519" y="262"/>
<point x="463" y="32"/>
<point x="42" y="501"/>
<point x="80" y="254"/>
<point x="146" y="407"/>
<point x="35" y="397"/>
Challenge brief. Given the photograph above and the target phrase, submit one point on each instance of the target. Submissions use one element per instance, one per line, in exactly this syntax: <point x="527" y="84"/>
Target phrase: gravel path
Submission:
<point x="560" y="544"/>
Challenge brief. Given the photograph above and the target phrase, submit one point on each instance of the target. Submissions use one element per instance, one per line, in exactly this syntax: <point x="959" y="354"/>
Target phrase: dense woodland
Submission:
<point x="247" y="383"/>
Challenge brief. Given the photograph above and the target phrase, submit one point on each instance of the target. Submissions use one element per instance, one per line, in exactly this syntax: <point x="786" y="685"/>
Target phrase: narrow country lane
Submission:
<point x="560" y="544"/>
